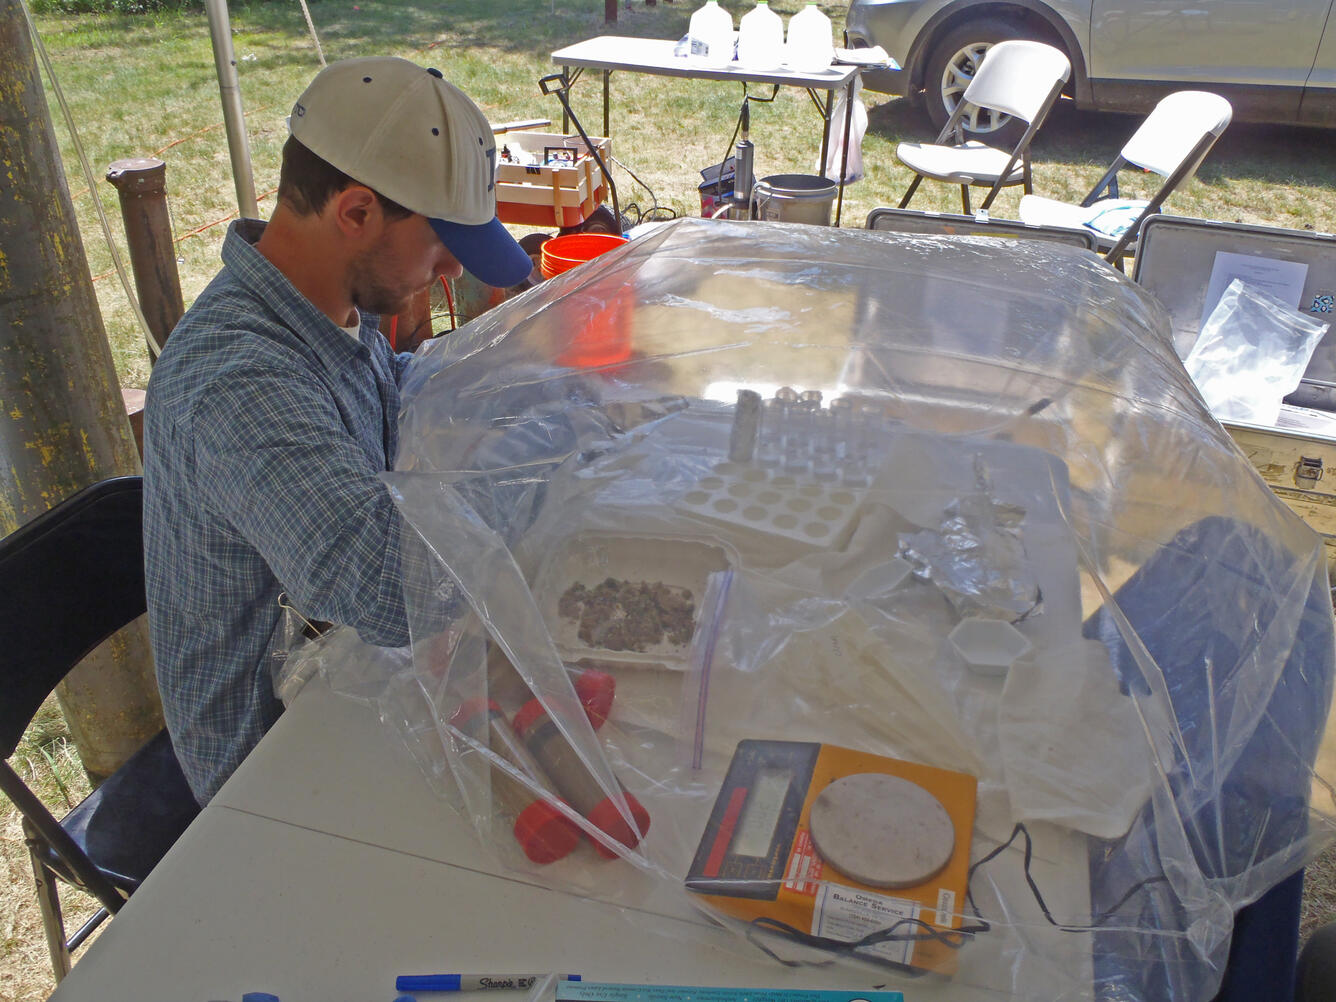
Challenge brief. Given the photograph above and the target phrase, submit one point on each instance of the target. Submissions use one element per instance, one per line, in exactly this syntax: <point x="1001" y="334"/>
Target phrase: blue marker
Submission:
<point x="471" y="982"/>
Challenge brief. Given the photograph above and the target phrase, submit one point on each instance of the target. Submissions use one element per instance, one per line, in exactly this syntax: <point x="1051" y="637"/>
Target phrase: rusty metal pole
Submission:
<point x="141" y="183"/>
<point x="62" y="423"/>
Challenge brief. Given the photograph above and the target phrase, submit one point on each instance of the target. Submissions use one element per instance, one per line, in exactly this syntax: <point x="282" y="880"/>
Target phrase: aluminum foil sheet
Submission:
<point x="976" y="556"/>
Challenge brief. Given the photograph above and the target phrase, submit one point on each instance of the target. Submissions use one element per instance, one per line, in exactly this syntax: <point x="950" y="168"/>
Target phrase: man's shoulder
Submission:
<point x="227" y="320"/>
<point x="227" y="333"/>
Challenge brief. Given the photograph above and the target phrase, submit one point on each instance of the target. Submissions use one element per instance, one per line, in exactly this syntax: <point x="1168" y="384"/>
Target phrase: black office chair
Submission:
<point x="71" y="577"/>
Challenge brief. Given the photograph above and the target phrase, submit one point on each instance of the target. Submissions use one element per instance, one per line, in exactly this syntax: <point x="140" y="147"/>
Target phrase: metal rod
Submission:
<point x="827" y="112"/>
<point x="844" y="155"/>
<point x="234" y="120"/>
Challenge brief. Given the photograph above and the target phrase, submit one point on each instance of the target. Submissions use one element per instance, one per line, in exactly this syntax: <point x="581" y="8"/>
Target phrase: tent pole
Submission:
<point x="220" y="31"/>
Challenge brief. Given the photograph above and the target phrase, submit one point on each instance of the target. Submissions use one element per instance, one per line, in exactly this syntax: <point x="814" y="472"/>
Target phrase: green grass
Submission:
<point x="141" y="85"/>
<point x="48" y="763"/>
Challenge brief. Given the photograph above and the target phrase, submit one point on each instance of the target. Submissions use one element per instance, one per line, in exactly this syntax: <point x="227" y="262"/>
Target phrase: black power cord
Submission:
<point x="951" y="938"/>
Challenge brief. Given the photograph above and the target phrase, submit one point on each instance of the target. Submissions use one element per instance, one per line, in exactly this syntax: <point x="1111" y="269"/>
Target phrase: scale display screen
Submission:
<point x="751" y="830"/>
<point x="760" y="817"/>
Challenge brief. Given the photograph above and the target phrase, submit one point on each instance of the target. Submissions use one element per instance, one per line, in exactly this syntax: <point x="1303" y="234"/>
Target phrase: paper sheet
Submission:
<point x="1282" y="279"/>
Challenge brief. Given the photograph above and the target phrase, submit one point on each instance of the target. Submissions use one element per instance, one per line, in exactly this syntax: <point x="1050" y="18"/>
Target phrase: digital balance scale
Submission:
<point x="841" y="845"/>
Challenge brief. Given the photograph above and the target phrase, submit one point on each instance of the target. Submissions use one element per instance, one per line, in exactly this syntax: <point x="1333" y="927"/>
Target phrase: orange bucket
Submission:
<point x="600" y="331"/>
<point x="564" y="253"/>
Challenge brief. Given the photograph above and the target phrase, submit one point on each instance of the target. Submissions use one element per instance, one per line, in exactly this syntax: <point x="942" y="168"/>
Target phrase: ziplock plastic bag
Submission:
<point x="853" y="167"/>
<point x="1252" y="351"/>
<point x="761" y="524"/>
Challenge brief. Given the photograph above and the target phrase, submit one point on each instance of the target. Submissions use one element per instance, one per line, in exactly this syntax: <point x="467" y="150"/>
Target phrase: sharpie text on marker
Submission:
<point x="471" y="982"/>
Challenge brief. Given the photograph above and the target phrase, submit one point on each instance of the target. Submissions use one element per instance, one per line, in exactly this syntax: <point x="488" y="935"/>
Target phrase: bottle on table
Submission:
<point x="576" y="784"/>
<point x="811" y="46"/>
<point x="542" y="831"/>
<point x="711" y="34"/>
<point x="761" y="38"/>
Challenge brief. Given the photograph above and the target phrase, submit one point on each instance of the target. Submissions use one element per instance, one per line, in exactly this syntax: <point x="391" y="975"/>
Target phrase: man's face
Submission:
<point x="408" y="258"/>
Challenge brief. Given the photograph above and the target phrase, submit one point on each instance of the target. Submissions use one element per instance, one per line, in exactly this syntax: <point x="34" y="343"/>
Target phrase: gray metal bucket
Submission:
<point x="794" y="198"/>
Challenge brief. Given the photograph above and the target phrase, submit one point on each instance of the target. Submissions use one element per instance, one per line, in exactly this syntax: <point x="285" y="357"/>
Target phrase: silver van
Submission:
<point x="1275" y="60"/>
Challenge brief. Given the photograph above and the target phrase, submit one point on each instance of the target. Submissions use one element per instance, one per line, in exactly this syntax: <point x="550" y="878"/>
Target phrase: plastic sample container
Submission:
<point x="989" y="646"/>
<point x="576" y="784"/>
<point x="542" y="831"/>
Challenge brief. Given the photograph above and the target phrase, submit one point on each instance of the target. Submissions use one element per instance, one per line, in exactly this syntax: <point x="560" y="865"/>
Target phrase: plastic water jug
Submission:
<point x="811" y="48"/>
<point x="711" y="33"/>
<point x="760" y="38"/>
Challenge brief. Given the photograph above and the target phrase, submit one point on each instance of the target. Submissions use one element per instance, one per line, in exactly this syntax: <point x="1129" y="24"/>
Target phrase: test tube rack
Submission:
<point x="800" y="509"/>
<point x="792" y="434"/>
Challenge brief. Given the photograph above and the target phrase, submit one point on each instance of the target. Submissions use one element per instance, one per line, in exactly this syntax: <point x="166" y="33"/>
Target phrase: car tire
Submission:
<point x="950" y="65"/>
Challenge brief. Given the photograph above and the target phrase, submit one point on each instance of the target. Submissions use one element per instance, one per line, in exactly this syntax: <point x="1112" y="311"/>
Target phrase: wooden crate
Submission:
<point x="550" y="196"/>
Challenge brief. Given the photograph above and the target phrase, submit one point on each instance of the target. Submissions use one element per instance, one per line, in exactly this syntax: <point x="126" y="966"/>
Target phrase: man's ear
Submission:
<point x="356" y="212"/>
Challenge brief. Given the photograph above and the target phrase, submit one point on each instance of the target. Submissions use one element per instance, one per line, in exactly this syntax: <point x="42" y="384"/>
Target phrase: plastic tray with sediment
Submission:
<point x="626" y="598"/>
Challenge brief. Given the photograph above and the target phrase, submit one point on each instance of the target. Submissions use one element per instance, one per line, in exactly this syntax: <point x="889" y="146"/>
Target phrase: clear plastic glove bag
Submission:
<point x="919" y="510"/>
<point x="1252" y="351"/>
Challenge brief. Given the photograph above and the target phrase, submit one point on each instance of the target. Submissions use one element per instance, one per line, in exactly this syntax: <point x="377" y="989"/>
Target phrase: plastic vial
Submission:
<point x="770" y="442"/>
<point x="543" y="832"/>
<point x="746" y="427"/>
<point x="853" y="470"/>
<point x="824" y="456"/>
<point x="840" y="426"/>
<point x="761" y="38"/>
<point x="576" y="784"/>
<point x="798" y="435"/>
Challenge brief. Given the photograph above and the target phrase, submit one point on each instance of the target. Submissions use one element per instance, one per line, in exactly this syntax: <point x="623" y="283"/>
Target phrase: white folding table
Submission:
<point x="326" y="866"/>
<point x="655" y="56"/>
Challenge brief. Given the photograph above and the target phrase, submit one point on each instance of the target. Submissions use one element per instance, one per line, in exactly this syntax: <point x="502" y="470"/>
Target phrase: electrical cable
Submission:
<point x="154" y="347"/>
<point x="647" y="213"/>
<point x="951" y="938"/>
<point x="1096" y="923"/>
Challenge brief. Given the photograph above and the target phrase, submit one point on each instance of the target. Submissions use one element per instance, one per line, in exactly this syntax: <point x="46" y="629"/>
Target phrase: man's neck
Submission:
<point x="309" y="258"/>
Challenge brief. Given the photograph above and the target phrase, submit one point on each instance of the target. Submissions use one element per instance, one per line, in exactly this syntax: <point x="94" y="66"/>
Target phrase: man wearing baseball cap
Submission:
<point x="273" y="408"/>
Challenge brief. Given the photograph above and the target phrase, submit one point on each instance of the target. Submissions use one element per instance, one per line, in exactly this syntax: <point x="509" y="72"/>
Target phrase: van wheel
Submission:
<point x="954" y="60"/>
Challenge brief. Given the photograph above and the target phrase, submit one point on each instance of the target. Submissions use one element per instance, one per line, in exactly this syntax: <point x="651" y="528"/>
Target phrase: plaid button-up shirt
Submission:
<point x="265" y="429"/>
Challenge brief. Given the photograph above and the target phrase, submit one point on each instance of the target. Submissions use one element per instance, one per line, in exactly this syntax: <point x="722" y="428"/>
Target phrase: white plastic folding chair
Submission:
<point x="1021" y="79"/>
<point x="1172" y="141"/>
